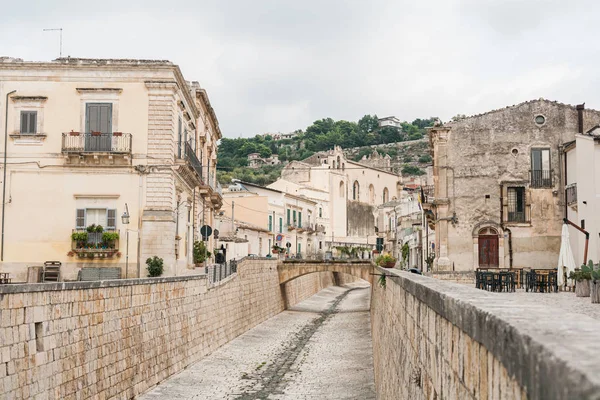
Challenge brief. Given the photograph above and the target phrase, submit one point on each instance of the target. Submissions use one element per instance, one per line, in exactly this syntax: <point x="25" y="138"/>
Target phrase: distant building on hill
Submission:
<point x="390" y="121"/>
<point x="256" y="161"/>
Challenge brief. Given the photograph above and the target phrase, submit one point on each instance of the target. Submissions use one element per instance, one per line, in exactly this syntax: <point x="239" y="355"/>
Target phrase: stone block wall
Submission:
<point x="117" y="339"/>
<point x="305" y="286"/>
<point x="440" y="340"/>
<point x="464" y="277"/>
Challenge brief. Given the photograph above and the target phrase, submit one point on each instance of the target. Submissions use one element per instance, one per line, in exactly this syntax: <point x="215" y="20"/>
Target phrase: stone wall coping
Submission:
<point x="54" y="286"/>
<point x="326" y="262"/>
<point x="552" y="355"/>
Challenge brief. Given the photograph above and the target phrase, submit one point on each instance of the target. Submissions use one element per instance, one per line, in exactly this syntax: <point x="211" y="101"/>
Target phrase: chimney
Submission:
<point x="580" y="108"/>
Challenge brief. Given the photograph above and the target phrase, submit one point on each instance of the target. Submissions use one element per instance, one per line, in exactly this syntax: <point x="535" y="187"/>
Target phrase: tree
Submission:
<point x="458" y="117"/>
<point x="425" y="159"/>
<point x="412" y="170"/>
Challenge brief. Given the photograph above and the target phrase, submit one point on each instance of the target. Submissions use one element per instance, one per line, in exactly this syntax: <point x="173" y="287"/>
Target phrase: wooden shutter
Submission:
<point x="179" y="139"/>
<point x="288" y="216"/>
<point x="28" y="122"/>
<point x="80" y="218"/>
<point x="98" y="117"/>
<point x="111" y="218"/>
<point x="299" y="219"/>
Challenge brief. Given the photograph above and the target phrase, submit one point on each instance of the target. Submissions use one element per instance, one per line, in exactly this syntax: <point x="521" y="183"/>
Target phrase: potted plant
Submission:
<point x="200" y="252"/>
<point x="74" y="133"/>
<point x="582" y="277"/>
<point x="91" y="228"/>
<point x="96" y="133"/>
<point x="386" y="261"/>
<point x="155" y="266"/>
<point x="109" y="239"/>
<point x="99" y="229"/>
<point x="429" y="261"/>
<point x="117" y="133"/>
<point x="594" y="281"/>
<point x="80" y="238"/>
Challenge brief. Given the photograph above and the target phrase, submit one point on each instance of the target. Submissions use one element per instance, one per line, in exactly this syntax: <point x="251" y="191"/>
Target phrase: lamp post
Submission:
<point x="125" y="221"/>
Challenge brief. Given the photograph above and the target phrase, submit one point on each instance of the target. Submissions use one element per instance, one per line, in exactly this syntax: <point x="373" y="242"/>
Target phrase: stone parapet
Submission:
<point x="436" y="339"/>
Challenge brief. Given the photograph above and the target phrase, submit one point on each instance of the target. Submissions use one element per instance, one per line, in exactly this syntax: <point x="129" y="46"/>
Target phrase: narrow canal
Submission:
<point x="319" y="349"/>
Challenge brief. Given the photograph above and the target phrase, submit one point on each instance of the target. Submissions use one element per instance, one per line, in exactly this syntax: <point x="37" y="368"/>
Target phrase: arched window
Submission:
<point x="341" y="188"/>
<point x="355" y="191"/>
<point x="371" y="194"/>
<point x="386" y="195"/>
<point x="338" y="162"/>
<point x="334" y="164"/>
<point x="343" y="166"/>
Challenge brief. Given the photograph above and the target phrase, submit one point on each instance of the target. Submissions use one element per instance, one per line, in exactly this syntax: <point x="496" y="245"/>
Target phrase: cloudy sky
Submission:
<point x="278" y="65"/>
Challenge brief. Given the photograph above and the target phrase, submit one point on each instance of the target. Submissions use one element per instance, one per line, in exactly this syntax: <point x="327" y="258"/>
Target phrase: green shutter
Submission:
<point x="295" y="221"/>
<point x="288" y="216"/>
<point x="280" y="224"/>
<point x="98" y="117"/>
<point x="270" y="222"/>
<point x="299" y="219"/>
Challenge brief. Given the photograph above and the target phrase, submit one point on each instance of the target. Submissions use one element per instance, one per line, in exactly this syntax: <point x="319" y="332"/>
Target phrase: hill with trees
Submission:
<point x="322" y="135"/>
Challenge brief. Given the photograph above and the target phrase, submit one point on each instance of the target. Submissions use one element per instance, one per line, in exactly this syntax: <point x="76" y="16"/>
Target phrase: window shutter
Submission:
<point x="80" y="218"/>
<point x="111" y="218"/>
<point x="32" y="122"/>
<point x="23" y="122"/>
<point x="105" y="118"/>
<point x="299" y="219"/>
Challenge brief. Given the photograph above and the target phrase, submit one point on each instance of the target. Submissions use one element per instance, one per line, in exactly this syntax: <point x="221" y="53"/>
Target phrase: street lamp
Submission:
<point x="125" y="221"/>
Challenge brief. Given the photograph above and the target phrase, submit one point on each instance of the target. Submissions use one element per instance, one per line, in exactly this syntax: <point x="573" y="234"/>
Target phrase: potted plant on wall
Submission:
<point x="155" y="266"/>
<point x="582" y="277"/>
<point x="386" y="261"/>
<point x="594" y="281"/>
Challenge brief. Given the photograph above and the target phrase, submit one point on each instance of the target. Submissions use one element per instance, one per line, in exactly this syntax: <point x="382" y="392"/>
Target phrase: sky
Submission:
<point x="279" y="65"/>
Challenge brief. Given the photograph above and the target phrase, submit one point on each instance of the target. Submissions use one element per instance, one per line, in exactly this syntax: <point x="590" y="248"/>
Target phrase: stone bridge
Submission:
<point x="291" y="269"/>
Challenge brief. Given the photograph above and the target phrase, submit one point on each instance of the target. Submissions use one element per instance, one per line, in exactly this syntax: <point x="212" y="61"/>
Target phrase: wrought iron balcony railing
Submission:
<point x="541" y="178"/>
<point x="116" y="143"/>
<point x="192" y="159"/>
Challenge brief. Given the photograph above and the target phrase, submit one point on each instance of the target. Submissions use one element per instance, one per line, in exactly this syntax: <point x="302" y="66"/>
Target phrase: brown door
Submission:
<point x="488" y="251"/>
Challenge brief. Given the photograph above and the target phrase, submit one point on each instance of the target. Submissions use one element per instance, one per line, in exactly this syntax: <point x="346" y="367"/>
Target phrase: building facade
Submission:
<point x="348" y="195"/>
<point x="582" y="193"/>
<point x="498" y="184"/>
<point x="89" y="139"/>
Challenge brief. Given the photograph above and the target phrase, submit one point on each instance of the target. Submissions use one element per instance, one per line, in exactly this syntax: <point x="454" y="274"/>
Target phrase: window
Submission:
<point x="288" y="217"/>
<point x="28" y="122"/>
<point x="105" y="217"/>
<point x="280" y="224"/>
<point x="320" y="245"/>
<point x="541" y="173"/>
<point x="270" y="223"/>
<point x="386" y="195"/>
<point x="299" y="219"/>
<point x="295" y="220"/>
<point x="299" y="248"/>
<point x="320" y="212"/>
<point x="356" y="191"/>
<point x="371" y="194"/>
<point x="516" y="204"/>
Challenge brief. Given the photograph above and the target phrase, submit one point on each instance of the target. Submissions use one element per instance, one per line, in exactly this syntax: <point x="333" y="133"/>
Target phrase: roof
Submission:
<point x="540" y="100"/>
<point x="242" y="224"/>
<point x="242" y="183"/>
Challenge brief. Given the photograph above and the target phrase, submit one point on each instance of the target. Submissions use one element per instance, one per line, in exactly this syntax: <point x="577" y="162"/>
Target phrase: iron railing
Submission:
<point x="76" y="142"/>
<point x="541" y="178"/>
<point x="192" y="159"/>
<point x="218" y="272"/>
<point x="571" y="194"/>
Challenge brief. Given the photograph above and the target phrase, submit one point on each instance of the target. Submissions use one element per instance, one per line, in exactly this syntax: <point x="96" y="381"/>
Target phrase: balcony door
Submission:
<point x="98" y="127"/>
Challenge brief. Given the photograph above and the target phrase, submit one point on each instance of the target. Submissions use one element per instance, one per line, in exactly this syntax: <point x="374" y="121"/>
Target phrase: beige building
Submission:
<point x="290" y="218"/>
<point x="86" y="137"/>
<point x="241" y="239"/>
<point x="499" y="180"/>
<point x="347" y="194"/>
<point x="582" y="193"/>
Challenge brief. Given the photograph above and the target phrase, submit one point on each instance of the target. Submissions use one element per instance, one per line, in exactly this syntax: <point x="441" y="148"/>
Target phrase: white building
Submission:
<point x="390" y="121"/>
<point x="582" y="193"/>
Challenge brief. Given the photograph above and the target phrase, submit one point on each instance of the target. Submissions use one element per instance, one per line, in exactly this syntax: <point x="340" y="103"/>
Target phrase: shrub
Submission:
<point x="79" y="236"/>
<point x="155" y="266"/>
<point x="425" y="159"/>
<point x="91" y="228"/>
<point x="201" y="253"/>
<point x="99" y="229"/>
<point x="384" y="259"/>
<point x="110" y="236"/>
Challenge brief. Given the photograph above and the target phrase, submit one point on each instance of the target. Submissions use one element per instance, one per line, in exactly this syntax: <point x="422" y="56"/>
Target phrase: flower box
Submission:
<point x="117" y="133"/>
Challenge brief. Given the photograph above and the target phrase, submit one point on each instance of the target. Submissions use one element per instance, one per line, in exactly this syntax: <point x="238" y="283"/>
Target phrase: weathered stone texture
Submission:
<point x="435" y="339"/>
<point x="116" y="339"/>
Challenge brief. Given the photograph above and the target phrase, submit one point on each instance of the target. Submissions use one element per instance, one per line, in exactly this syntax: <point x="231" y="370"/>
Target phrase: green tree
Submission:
<point x="426" y="158"/>
<point x="412" y="170"/>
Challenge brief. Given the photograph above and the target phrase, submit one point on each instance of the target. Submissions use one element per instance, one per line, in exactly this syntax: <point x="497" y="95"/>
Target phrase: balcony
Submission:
<point x="428" y="194"/>
<point x="571" y="193"/>
<point x="97" y="145"/>
<point x="541" y="178"/>
<point x="100" y="245"/>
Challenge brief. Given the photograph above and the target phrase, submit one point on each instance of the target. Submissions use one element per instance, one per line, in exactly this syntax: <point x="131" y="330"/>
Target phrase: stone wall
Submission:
<point x="118" y="338"/>
<point x="464" y="277"/>
<point x="435" y="339"/>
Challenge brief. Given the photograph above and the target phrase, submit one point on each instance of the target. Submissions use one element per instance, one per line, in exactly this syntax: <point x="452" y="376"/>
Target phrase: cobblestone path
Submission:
<point x="319" y="349"/>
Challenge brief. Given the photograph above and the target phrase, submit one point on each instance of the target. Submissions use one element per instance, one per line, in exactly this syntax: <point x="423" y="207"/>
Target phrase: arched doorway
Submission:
<point x="488" y="248"/>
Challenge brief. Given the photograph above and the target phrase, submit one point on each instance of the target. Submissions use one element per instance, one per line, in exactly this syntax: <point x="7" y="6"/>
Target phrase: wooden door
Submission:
<point x="488" y="251"/>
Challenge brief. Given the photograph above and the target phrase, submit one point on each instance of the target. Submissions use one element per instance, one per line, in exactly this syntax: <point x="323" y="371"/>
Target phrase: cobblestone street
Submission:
<point x="319" y="349"/>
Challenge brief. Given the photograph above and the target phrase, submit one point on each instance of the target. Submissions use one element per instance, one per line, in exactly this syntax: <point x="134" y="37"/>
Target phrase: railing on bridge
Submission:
<point x="218" y="272"/>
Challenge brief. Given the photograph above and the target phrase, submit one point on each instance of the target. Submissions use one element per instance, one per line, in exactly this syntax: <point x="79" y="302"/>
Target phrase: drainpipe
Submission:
<point x="4" y="180"/>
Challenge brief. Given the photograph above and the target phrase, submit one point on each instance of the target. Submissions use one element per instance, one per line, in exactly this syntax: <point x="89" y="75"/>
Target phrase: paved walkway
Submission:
<point x="320" y="349"/>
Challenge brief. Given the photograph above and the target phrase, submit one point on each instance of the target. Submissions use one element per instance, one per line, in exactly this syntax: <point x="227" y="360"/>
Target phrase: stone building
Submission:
<point x="348" y="194"/>
<point x="256" y="161"/>
<point x="86" y="137"/>
<point x="498" y="185"/>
